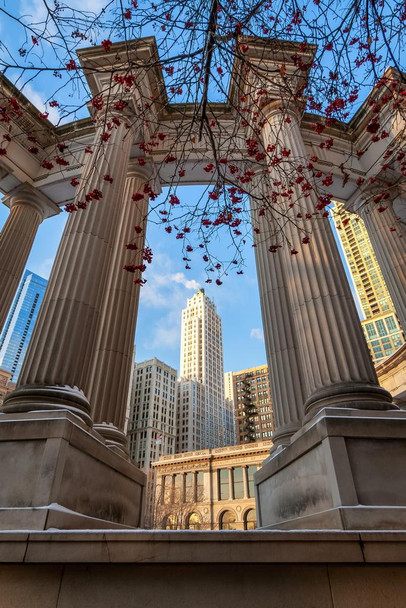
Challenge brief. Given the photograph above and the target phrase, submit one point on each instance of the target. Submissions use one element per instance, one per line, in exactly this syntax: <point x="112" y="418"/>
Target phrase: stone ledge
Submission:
<point x="169" y="547"/>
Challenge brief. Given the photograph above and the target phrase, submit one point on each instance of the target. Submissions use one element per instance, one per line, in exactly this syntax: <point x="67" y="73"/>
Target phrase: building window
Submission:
<point x="251" y="470"/>
<point x="167" y="489"/>
<point x="200" y="485"/>
<point x="238" y="483"/>
<point x="194" y="522"/>
<point x="227" y="521"/>
<point x="189" y="489"/>
<point x="178" y="496"/>
<point x="250" y="520"/>
<point x="391" y="325"/>
<point x="370" y="330"/>
<point x="224" y="485"/>
<point x="381" y="328"/>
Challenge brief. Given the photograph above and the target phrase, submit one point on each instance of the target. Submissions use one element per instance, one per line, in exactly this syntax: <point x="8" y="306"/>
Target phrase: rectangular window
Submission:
<point x="390" y="324"/>
<point x="189" y="489"/>
<point x="381" y="328"/>
<point x="223" y="484"/>
<point x="178" y="494"/>
<point x="200" y="486"/>
<point x="238" y="483"/>
<point x="251" y="470"/>
<point x="167" y="489"/>
<point x="370" y="330"/>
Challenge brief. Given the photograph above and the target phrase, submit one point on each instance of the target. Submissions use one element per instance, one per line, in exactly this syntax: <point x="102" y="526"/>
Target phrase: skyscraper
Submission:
<point x="151" y="425"/>
<point x="20" y="323"/>
<point x="201" y="394"/>
<point x="381" y="327"/>
<point x="152" y="418"/>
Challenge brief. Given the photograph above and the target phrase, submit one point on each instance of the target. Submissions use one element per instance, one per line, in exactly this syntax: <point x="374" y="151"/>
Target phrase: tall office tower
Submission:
<point x="228" y="386"/>
<point x="202" y="379"/>
<point x="190" y="415"/>
<point x="381" y="327"/>
<point x="152" y="421"/>
<point x="253" y="404"/>
<point x="20" y="323"/>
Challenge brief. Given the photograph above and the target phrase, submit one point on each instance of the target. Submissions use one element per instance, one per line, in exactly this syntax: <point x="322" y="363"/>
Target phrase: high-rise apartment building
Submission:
<point x="205" y="420"/>
<point x="251" y="394"/>
<point x="152" y="420"/>
<point x="20" y="323"/>
<point x="381" y="327"/>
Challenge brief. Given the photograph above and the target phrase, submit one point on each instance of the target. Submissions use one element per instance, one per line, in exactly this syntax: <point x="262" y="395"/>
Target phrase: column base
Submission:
<point x="57" y="473"/>
<point x="43" y="398"/>
<point x="343" y="470"/>
<point x="115" y="439"/>
<point x="350" y="395"/>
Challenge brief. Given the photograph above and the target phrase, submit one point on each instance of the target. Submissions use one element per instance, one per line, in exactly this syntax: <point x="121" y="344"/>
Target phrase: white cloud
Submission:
<point x="167" y="331"/>
<point x="257" y="334"/>
<point x="36" y="99"/>
<point x="179" y="277"/>
<point x="166" y="291"/>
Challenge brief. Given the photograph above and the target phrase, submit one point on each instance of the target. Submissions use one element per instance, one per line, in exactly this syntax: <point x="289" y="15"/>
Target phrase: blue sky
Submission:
<point x="165" y="294"/>
<point x="168" y="287"/>
<point x="169" y="284"/>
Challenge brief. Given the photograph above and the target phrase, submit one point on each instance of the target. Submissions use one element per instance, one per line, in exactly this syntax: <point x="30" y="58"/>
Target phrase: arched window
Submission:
<point x="250" y="520"/>
<point x="227" y="521"/>
<point x="170" y="523"/>
<point x="194" y="522"/>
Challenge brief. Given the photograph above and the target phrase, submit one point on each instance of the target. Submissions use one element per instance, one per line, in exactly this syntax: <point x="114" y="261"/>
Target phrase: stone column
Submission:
<point x="390" y="250"/>
<point x="337" y="368"/>
<point x="109" y="379"/>
<point x="231" y="483"/>
<point x="28" y="208"/>
<point x="281" y="341"/>
<point x="245" y="479"/>
<point x="60" y="353"/>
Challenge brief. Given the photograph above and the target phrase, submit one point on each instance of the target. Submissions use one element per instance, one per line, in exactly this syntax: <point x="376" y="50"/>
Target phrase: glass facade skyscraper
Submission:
<point x="20" y="322"/>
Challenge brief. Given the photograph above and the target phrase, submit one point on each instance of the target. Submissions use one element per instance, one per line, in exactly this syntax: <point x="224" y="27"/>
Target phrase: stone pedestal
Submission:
<point x="343" y="470"/>
<point x="57" y="473"/>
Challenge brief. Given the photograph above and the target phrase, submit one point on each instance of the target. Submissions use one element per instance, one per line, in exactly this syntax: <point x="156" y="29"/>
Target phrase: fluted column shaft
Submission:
<point x="390" y="249"/>
<point x="60" y="353"/>
<point x="337" y="367"/>
<point x="284" y="365"/>
<point x="110" y="373"/>
<point x="27" y="210"/>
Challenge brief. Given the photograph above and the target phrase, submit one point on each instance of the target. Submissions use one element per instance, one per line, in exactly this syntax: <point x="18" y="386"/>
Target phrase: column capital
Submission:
<point x="143" y="171"/>
<point x="146" y="172"/>
<point x="283" y="107"/>
<point x="26" y="194"/>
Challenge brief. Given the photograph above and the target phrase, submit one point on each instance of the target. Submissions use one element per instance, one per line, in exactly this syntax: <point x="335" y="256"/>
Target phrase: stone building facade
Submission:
<point x="209" y="489"/>
<point x="152" y="421"/>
